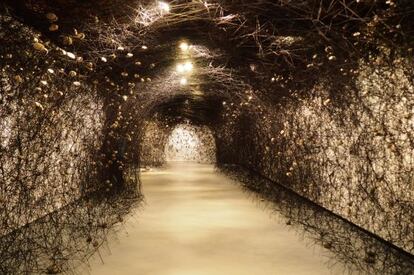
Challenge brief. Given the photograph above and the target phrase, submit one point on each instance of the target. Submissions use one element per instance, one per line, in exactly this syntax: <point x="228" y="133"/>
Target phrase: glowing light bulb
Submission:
<point x="164" y="7"/>
<point x="188" y="66"/>
<point x="185" y="68"/>
<point x="184" y="46"/>
<point x="180" y="68"/>
<point x="183" y="81"/>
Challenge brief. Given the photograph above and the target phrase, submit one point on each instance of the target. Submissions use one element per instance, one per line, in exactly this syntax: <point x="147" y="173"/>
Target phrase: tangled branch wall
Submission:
<point x="354" y="156"/>
<point x="50" y="129"/>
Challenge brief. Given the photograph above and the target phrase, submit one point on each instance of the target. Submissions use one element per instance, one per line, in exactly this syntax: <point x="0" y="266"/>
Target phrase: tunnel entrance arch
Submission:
<point x="188" y="142"/>
<point x="184" y="141"/>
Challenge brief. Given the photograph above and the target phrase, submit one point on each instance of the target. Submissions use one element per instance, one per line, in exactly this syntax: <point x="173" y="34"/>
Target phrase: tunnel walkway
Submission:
<point x="196" y="221"/>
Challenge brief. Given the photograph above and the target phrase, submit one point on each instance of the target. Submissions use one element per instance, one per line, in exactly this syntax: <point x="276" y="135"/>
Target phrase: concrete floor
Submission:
<point x="196" y="221"/>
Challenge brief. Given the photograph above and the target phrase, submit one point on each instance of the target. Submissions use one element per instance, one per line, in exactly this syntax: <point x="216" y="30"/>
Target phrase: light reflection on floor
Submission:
<point x="197" y="222"/>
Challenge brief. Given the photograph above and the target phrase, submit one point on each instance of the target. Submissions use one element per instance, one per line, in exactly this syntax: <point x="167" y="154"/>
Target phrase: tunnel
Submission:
<point x="206" y="137"/>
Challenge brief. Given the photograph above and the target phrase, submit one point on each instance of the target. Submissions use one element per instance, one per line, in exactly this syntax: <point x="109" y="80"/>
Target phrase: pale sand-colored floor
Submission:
<point x="195" y="221"/>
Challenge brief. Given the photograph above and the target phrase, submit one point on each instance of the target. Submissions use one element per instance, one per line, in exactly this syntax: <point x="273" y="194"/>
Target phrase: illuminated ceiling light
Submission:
<point x="164" y="7"/>
<point x="185" y="68"/>
<point x="188" y="66"/>
<point x="180" y="68"/>
<point x="184" y="46"/>
<point x="183" y="81"/>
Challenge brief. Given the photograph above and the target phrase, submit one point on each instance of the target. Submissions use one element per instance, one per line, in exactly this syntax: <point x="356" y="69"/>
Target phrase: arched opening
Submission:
<point x="191" y="143"/>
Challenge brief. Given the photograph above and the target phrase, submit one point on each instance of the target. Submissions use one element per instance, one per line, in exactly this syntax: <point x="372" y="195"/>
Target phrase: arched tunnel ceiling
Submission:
<point x="270" y="48"/>
<point x="240" y="49"/>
